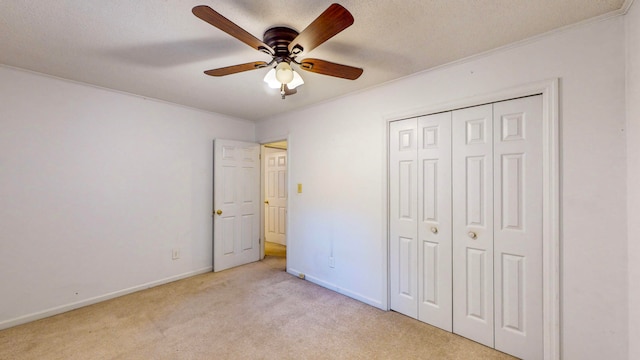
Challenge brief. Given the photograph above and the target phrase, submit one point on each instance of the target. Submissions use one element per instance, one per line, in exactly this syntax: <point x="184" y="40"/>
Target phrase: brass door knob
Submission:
<point x="219" y="212"/>
<point x="266" y="202"/>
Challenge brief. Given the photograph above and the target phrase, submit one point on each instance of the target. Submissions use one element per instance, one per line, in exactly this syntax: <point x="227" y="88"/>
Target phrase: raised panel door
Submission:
<point x="518" y="227"/>
<point x="276" y="195"/>
<point x="472" y="184"/>
<point x="403" y="216"/>
<point x="434" y="220"/>
<point x="235" y="194"/>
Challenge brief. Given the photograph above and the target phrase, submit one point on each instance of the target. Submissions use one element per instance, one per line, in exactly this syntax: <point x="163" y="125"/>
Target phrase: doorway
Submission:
<point x="275" y="194"/>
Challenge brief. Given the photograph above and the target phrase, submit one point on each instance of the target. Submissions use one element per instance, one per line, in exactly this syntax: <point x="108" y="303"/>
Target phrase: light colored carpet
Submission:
<point x="256" y="311"/>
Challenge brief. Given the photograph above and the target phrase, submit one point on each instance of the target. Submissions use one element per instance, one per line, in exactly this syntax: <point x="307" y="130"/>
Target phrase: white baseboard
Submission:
<point x="369" y="301"/>
<point x="76" y="305"/>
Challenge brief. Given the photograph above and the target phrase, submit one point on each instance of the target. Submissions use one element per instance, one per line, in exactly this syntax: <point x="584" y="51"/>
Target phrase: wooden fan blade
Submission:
<point x="236" y="68"/>
<point x="332" y="21"/>
<point x="214" y="18"/>
<point x="332" y="69"/>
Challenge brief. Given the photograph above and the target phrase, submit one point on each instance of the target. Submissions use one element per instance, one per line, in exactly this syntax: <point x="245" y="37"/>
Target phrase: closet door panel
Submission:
<point x="472" y="175"/>
<point x="403" y="213"/>
<point x="518" y="227"/>
<point x="434" y="225"/>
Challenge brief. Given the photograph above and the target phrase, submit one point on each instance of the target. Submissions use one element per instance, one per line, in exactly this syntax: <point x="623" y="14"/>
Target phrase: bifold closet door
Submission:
<point x="497" y="225"/>
<point x="403" y="216"/>
<point x="518" y="226"/>
<point x="466" y="223"/>
<point x="472" y="175"/>
<point x="434" y="220"/>
<point x="420" y="224"/>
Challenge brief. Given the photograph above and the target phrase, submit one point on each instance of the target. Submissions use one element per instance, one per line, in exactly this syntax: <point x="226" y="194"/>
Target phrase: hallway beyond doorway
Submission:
<point x="274" y="249"/>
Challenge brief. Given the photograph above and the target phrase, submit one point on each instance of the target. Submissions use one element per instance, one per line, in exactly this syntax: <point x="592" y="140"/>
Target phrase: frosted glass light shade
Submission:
<point x="297" y="81"/>
<point x="284" y="73"/>
<point x="273" y="82"/>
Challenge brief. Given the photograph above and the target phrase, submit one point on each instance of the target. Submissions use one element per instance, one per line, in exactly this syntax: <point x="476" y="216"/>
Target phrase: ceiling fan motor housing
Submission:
<point x="279" y="38"/>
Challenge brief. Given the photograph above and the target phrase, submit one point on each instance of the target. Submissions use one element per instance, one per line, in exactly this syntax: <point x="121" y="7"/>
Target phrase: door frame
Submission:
<point x="262" y="192"/>
<point x="551" y="217"/>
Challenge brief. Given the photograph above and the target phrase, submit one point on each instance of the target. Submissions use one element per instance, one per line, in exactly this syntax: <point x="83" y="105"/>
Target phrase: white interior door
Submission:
<point x="403" y="213"/>
<point x="275" y="195"/>
<point x="236" y="201"/>
<point x="518" y="227"/>
<point x="434" y="227"/>
<point x="472" y="171"/>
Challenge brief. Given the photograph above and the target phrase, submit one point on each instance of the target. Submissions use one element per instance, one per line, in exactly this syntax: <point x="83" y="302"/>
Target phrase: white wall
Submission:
<point x="337" y="151"/>
<point x="633" y="185"/>
<point x="96" y="189"/>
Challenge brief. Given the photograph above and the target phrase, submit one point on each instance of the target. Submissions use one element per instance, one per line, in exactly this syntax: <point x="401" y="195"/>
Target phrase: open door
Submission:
<point x="236" y="203"/>
<point x="275" y="191"/>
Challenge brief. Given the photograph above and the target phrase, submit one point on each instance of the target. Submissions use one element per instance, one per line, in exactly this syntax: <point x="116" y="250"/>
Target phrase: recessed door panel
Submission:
<point x="271" y="180"/>
<point x="475" y="130"/>
<point x="513" y="304"/>
<point x="248" y="185"/>
<point x="431" y="135"/>
<point x="405" y="271"/>
<point x="512" y="126"/>
<point x="430" y="190"/>
<point x="271" y="218"/>
<point x="228" y="152"/>
<point x="430" y="278"/>
<point x="511" y="191"/>
<point x="475" y="191"/>
<point x="477" y="299"/>
<point x="406" y="140"/>
<point x="229" y="235"/>
<point x="247" y="232"/>
<point x="406" y="198"/>
<point x="229" y="185"/>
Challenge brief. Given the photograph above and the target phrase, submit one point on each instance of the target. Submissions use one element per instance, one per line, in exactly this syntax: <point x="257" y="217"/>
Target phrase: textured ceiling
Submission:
<point x="159" y="49"/>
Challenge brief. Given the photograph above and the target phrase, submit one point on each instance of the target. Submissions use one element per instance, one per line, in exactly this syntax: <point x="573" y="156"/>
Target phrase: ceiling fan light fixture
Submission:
<point x="284" y="44"/>
<point x="274" y="83"/>
<point x="284" y="73"/>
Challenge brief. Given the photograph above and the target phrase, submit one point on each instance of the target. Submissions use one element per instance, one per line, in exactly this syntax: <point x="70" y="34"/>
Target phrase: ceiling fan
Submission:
<point x="284" y="45"/>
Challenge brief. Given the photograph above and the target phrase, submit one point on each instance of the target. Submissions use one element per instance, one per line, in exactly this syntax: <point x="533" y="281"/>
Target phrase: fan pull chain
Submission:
<point x="282" y="91"/>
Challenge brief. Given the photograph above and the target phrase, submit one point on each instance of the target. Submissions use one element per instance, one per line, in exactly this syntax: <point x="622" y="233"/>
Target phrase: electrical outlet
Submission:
<point x="332" y="262"/>
<point x="175" y="254"/>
